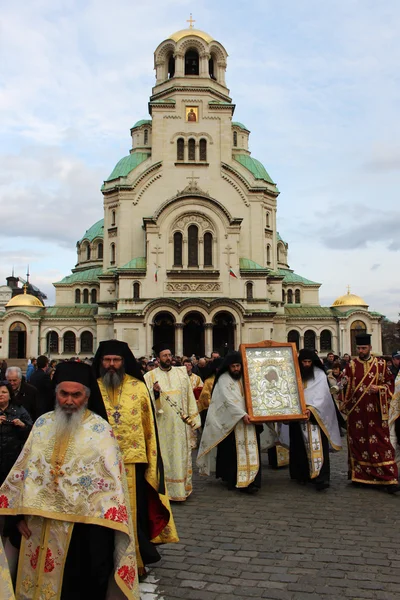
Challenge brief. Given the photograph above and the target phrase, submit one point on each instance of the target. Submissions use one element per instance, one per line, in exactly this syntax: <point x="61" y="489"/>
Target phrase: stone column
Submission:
<point x="203" y="66"/>
<point x="179" y="65"/>
<point x="184" y="253"/>
<point x="208" y="338"/>
<point x="201" y="253"/>
<point x="317" y="342"/>
<point x="179" y="339"/>
<point x="301" y="342"/>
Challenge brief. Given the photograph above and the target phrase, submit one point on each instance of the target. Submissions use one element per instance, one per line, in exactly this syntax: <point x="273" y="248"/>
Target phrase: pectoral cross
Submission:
<point x="191" y="21"/>
<point x="228" y="251"/>
<point x="57" y="472"/>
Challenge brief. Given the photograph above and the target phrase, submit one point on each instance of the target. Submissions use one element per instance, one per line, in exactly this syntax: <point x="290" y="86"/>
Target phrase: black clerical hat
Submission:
<point x="80" y="372"/>
<point x="363" y="339"/>
<point x="117" y="348"/>
<point x="160" y="347"/>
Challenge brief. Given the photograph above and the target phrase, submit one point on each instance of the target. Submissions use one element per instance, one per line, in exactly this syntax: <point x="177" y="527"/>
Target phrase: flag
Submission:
<point x="232" y="273"/>
<point x="155" y="275"/>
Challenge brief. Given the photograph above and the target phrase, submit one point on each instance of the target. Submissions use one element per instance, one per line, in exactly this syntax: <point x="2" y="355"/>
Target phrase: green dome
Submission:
<point x="95" y="231"/>
<point x="86" y="276"/>
<point x="240" y="125"/>
<point x="142" y="122"/>
<point x="127" y="164"/>
<point x="256" y="168"/>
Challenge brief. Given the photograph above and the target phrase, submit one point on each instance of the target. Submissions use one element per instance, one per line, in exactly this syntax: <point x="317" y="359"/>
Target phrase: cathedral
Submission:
<point x="188" y="250"/>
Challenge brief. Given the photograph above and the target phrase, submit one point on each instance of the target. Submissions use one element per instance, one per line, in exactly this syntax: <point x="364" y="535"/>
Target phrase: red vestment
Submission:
<point x="371" y="455"/>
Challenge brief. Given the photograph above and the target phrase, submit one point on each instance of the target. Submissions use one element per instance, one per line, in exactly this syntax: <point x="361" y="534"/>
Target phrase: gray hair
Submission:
<point x="16" y="370"/>
<point x="87" y="390"/>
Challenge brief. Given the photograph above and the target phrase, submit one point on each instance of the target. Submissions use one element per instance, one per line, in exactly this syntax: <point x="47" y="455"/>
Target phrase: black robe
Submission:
<point x="298" y="460"/>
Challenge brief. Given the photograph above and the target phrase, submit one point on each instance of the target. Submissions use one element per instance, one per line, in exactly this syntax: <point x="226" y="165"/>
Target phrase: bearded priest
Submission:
<point x="67" y="497"/>
<point x="131" y="415"/>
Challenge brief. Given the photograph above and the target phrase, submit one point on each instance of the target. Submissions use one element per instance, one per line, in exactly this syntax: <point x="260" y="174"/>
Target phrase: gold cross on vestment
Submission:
<point x="191" y="21"/>
<point x="57" y="472"/>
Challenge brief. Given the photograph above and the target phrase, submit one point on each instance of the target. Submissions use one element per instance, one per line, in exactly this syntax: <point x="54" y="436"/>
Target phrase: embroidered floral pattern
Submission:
<point x="85" y="481"/>
<point x="49" y="562"/>
<point x="34" y="558"/>
<point x="98" y="428"/>
<point x="118" y="514"/>
<point x="373" y="439"/>
<point x="4" y="501"/>
<point x="127" y="574"/>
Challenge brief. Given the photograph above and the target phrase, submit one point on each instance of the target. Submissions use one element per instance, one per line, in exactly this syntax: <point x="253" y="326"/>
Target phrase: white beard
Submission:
<point x="66" y="423"/>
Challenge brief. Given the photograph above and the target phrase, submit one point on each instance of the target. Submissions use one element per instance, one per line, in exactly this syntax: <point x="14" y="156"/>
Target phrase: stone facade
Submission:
<point x="188" y="249"/>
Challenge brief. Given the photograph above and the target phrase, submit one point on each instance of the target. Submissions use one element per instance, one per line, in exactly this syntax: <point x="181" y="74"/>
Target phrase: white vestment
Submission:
<point x="174" y="434"/>
<point x="225" y="414"/>
<point x="394" y="414"/>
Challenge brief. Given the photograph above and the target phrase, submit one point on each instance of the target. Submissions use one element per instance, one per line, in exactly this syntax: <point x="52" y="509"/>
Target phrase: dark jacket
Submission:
<point x="27" y="397"/>
<point x="12" y="437"/>
<point x="45" y="393"/>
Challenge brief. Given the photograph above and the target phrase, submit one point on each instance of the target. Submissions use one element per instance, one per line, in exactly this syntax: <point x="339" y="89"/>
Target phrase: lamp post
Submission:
<point x="49" y="348"/>
<point x="341" y="341"/>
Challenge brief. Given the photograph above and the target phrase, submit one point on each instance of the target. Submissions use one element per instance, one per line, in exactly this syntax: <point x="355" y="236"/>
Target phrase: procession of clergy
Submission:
<point x="88" y="499"/>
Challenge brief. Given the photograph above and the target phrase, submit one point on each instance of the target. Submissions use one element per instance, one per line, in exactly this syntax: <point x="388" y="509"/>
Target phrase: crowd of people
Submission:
<point x="93" y="453"/>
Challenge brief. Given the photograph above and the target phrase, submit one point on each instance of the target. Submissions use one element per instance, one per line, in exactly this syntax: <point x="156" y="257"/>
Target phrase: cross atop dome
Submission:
<point x="191" y="21"/>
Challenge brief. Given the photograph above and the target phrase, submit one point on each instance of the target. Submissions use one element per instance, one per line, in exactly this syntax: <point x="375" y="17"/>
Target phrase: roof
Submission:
<point x="128" y="164"/>
<point x="96" y="230"/>
<point x="246" y="264"/>
<point x="256" y="168"/>
<point x="240" y="125"/>
<point x="292" y="277"/>
<point x="24" y="300"/>
<point x="72" y="312"/>
<point x="142" y="122"/>
<point x="178" y="35"/>
<point x="309" y="311"/>
<point x="86" y="276"/>
<point x="136" y="263"/>
<point x="349" y="300"/>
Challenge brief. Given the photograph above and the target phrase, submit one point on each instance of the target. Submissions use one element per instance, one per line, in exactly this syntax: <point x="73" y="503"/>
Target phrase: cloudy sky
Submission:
<point x="317" y="83"/>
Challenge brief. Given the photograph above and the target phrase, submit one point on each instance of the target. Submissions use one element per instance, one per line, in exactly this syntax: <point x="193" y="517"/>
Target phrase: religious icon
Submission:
<point x="272" y="382"/>
<point x="192" y="113"/>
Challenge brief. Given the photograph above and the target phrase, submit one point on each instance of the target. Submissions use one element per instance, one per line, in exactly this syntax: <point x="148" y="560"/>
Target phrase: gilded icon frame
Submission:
<point x="272" y="382"/>
<point x="195" y="111"/>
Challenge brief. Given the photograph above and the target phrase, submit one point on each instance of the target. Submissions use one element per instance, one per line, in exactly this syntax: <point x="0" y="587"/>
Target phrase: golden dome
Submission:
<point x="24" y="300"/>
<point x="191" y="31"/>
<point x="350" y="300"/>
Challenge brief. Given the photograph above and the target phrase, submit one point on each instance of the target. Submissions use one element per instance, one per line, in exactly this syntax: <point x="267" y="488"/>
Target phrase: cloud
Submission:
<point x="375" y="267"/>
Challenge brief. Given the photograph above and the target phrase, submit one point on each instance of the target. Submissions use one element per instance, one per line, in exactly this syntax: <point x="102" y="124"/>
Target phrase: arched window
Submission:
<point x="294" y="337"/>
<point x="93" y="296"/>
<point x="112" y="218"/>
<point x="52" y="342"/>
<point x="136" y="290"/>
<point x="211" y="68"/>
<point x="203" y="149"/>
<point x="180" y="149"/>
<point x="284" y="296"/>
<point x="87" y="342"/>
<point x="235" y="138"/>
<point x="325" y="341"/>
<point x="77" y="296"/>
<point x="309" y="340"/>
<point x="145" y="137"/>
<point x="249" y="291"/>
<point x="85" y="296"/>
<point x="69" y="342"/>
<point x="192" y="62"/>
<point x="192" y="149"/>
<point x="88" y="252"/>
<point x="100" y="250"/>
<point x="177" y="249"/>
<point x="289" y="297"/>
<point x="112" y="254"/>
<point x="268" y="254"/>
<point x="193" y="246"/>
<point x="208" y="242"/>
<point x="297" y="297"/>
<point x="171" y="66"/>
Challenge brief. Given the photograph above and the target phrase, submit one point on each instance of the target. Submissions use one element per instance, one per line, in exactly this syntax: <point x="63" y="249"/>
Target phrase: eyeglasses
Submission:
<point x="110" y="360"/>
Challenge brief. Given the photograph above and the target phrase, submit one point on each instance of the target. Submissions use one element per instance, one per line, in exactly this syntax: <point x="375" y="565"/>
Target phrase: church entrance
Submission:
<point x="164" y="330"/>
<point x="17" y="340"/>
<point x="223" y="333"/>
<point x="357" y="328"/>
<point x="193" y="334"/>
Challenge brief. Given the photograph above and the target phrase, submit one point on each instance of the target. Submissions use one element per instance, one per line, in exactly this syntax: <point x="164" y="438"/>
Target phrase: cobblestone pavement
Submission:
<point x="286" y="543"/>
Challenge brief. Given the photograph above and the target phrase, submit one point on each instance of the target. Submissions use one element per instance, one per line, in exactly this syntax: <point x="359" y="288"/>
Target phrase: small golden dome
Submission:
<point x="24" y="300"/>
<point x="350" y="300"/>
<point x="191" y="31"/>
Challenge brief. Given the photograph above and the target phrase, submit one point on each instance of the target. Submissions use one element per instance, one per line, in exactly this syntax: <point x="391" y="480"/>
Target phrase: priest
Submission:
<point x="229" y="430"/>
<point x="67" y="494"/>
<point x="366" y="403"/>
<point x="176" y="412"/>
<point x="309" y="442"/>
<point x="130" y="413"/>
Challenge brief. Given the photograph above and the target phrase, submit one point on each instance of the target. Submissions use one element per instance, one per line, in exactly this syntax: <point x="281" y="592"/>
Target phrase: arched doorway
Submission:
<point x="294" y="337"/>
<point x="17" y="340"/>
<point x="164" y="330"/>
<point x="193" y="334"/>
<point x="223" y="333"/>
<point x="357" y="327"/>
<point x="309" y="339"/>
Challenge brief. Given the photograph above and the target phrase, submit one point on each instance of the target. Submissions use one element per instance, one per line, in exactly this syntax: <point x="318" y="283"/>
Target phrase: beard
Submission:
<point x="165" y="364"/>
<point x="68" y="422"/>
<point x="307" y="373"/>
<point x="112" y="378"/>
<point x="236" y="375"/>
